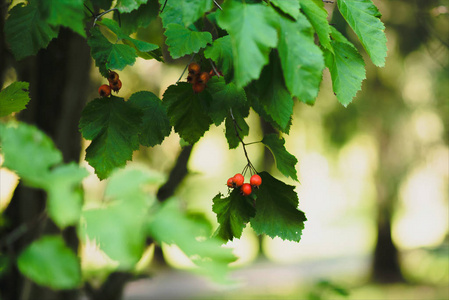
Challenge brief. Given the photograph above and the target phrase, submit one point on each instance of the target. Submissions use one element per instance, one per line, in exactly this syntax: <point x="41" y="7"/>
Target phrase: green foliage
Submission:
<point x="346" y="67"/>
<point x="48" y="261"/>
<point x="285" y="162"/>
<point x="169" y="225"/>
<point x="26" y="30"/>
<point x="155" y="123"/>
<point x="183" y="12"/>
<point x="252" y="29"/>
<point x="14" y="98"/>
<point x="233" y="212"/>
<point x="364" y="18"/>
<point x="276" y="210"/>
<point x="113" y="126"/>
<point x="187" y="111"/>
<point x="182" y="41"/>
<point x="68" y="13"/>
<point x="221" y="53"/>
<point x="302" y="73"/>
<point x="290" y="7"/>
<point x="317" y="16"/>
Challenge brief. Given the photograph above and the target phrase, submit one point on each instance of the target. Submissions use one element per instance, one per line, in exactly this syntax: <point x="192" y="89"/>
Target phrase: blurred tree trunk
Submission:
<point x="59" y="82"/>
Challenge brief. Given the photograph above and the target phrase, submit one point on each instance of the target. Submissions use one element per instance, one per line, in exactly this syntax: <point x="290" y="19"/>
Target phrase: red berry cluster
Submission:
<point x="197" y="78"/>
<point x="245" y="188"/>
<point x="114" y="85"/>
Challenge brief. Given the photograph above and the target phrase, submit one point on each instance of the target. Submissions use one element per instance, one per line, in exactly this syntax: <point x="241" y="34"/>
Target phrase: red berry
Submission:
<point x="203" y="78"/>
<point x="231" y="183"/>
<point x="246" y="189"/>
<point x="116" y="86"/>
<point x="104" y="90"/>
<point x="238" y="179"/>
<point x="255" y="180"/>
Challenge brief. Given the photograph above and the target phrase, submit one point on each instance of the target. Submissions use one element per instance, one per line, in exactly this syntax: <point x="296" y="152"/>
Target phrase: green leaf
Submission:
<point x="21" y="145"/>
<point x="317" y="15"/>
<point x="14" y="98"/>
<point x="109" y="56"/>
<point x="155" y="122"/>
<point x="68" y="13"/>
<point x="272" y="95"/>
<point x="302" y="61"/>
<point x="252" y="28"/>
<point x="182" y="41"/>
<point x="364" y="18"/>
<point x="224" y="97"/>
<point x="136" y="44"/>
<point x="113" y="125"/>
<point x="187" y="111"/>
<point x="65" y="196"/>
<point x="242" y="128"/>
<point x="276" y="210"/>
<point x="126" y="6"/>
<point x="285" y="162"/>
<point x="346" y="66"/>
<point x="221" y="53"/>
<point x="139" y="18"/>
<point x="49" y="262"/>
<point x="290" y="7"/>
<point x="26" y="31"/>
<point x="183" y="12"/>
<point x="233" y="212"/>
<point x="171" y="226"/>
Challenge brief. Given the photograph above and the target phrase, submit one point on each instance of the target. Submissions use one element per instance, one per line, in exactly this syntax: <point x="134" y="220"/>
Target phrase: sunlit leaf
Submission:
<point x="285" y="162"/>
<point x="290" y="7"/>
<point x="317" y="15"/>
<point x="14" y="98"/>
<point x="49" y="262"/>
<point x="182" y="41"/>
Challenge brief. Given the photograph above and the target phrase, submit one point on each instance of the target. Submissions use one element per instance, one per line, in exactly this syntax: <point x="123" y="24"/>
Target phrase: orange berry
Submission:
<point x="203" y="78"/>
<point x="194" y="68"/>
<point x="198" y="87"/>
<point x="246" y="189"/>
<point x="116" y="86"/>
<point x="104" y="90"/>
<point x="231" y="183"/>
<point x="255" y="181"/>
<point x="192" y="79"/>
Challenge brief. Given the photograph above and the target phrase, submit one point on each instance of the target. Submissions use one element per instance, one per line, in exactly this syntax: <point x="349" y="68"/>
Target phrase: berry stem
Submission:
<point x="191" y="59"/>
<point x="236" y="128"/>
<point x="215" y="69"/>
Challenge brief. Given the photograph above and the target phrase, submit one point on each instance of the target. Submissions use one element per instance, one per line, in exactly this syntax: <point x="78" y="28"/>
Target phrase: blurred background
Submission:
<point x="374" y="179"/>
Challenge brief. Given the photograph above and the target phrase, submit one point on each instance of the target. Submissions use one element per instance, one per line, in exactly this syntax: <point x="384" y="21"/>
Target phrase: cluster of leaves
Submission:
<point x="128" y="216"/>
<point x="269" y="57"/>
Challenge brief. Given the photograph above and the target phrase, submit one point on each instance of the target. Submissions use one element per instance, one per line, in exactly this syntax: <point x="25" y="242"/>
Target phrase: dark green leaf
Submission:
<point x="183" y="12"/>
<point x="126" y="6"/>
<point x="182" y="41"/>
<point x="290" y="7"/>
<point x="364" y="18"/>
<point x="224" y="97"/>
<point x="301" y="60"/>
<point x="113" y="126"/>
<point x="187" y="111"/>
<point x="346" y="66"/>
<point x="49" y="262"/>
<point x="242" y="128"/>
<point x="68" y="13"/>
<point x="276" y="210"/>
<point x="252" y="28"/>
<point x="221" y="53"/>
<point x="26" y="31"/>
<point x="233" y="212"/>
<point x="14" y="98"/>
<point x="317" y="15"/>
<point x="272" y="95"/>
<point x="285" y="162"/>
<point x="155" y="122"/>
<point x="140" y="18"/>
<point x="109" y="56"/>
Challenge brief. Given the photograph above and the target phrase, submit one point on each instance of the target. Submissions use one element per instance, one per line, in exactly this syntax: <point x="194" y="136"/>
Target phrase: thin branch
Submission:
<point x="191" y="59"/>
<point x="213" y="67"/>
<point x="218" y="5"/>
<point x="106" y="12"/>
<point x="91" y="12"/>
<point x="165" y="3"/>
<point x="236" y="127"/>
